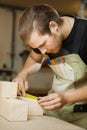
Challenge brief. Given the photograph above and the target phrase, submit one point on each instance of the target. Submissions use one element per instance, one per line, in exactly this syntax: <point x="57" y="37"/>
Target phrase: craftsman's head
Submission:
<point x="39" y="18"/>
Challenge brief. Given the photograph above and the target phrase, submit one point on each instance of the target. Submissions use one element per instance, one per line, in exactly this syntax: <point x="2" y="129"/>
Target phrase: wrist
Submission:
<point x="68" y="98"/>
<point x="23" y="73"/>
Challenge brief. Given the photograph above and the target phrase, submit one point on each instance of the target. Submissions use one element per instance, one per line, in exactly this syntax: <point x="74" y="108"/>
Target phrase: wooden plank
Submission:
<point x="34" y="109"/>
<point x="8" y="89"/>
<point x="13" y="109"/>
<point x="38" y="123"/>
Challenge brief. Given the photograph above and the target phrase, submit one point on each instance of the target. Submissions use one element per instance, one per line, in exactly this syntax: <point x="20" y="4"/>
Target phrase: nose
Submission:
<point x="43" y="51"/>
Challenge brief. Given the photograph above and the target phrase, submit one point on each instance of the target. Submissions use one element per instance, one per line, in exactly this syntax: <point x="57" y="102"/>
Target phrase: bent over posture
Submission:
<point x="64" y="41"/>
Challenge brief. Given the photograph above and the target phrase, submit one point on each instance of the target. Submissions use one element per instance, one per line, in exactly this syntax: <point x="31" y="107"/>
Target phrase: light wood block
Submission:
<point x="8" y="89"/>
<point x="13" y="109"/>
<point x="34" y="109"/>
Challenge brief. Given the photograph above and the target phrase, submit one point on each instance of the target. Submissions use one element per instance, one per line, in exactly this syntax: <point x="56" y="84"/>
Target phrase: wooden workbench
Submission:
<point x="38" y="123"/>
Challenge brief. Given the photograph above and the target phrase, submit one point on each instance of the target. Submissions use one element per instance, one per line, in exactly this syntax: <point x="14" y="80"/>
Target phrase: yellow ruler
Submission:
<point x="31" y="96"/>
<point x="28" y="95"/>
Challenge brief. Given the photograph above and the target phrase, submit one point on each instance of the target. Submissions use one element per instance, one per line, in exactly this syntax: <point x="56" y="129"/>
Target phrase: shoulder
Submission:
<point x="75" y="17"/>
<point x="82" y="21"/>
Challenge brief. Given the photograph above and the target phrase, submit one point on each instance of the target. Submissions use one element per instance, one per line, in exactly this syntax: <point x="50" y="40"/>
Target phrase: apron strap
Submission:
<point x="80" y="29"/>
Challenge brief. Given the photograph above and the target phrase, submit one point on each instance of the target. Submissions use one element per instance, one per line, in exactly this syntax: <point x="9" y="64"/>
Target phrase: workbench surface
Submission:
<point x="38" y="123"/>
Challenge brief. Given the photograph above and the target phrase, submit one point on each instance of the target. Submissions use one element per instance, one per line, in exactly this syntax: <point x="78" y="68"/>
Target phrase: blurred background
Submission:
<point x="13" y="52"/>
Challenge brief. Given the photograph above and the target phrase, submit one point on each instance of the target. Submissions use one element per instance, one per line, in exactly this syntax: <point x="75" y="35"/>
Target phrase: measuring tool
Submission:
<point x="28" y="95"/>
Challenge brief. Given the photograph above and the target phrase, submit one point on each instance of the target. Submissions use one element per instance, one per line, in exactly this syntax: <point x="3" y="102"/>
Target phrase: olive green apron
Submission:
<point x="70" y="73"/>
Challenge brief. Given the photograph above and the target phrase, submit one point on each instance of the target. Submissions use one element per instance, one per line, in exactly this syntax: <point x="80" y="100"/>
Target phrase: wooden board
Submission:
<point x="38" y="123"/>
<point x="13" y="109"/>
<point x="34" y="109"/>
<point x="8" y="89"/>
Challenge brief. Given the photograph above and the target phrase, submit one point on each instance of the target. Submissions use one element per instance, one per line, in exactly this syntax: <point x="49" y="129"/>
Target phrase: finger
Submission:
<point x="21" y="88"/>
<point x="53" y="107"/>
<point x="51" y="102"/>
<point x="19" y="93"/>
<point x="48" y="98"/>
<point x="26" y="85"/>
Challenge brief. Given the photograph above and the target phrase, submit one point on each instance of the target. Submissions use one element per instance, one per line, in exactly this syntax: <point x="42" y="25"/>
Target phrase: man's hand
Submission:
<point x="22" y="81"/>
<point x="52" y="101"/>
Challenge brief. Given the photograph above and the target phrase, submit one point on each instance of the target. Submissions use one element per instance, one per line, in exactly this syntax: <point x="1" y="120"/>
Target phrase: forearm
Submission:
<point x="30" y="67"/>
<point x="56" y="101"/>
<point x="32" y="64"/>
<point x="77" y="95"/>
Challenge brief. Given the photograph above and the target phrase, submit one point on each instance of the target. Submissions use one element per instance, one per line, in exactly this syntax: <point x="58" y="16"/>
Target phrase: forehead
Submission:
<point x="35" y="39"/>
<point x="34" y="35"/>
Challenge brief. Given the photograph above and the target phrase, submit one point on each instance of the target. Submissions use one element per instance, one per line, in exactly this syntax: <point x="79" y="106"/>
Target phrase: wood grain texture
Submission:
<point x="34" y="109"/>
<point x="13" y="109"/>
<point x="8" y="89"/>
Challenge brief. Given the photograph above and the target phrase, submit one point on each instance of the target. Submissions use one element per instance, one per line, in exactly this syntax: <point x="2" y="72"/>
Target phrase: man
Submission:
<point x="64" y="41"/>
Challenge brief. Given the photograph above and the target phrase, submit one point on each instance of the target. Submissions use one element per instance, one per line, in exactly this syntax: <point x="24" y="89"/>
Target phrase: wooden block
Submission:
<point x="8" y="89"/>
<point x="34" y="109"/>
<point x="13" y="109"/>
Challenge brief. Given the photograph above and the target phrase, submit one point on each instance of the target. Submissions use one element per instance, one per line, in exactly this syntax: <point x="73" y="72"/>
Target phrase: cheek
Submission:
<point x="55" y="46"/>
<point x="53" y="43"/>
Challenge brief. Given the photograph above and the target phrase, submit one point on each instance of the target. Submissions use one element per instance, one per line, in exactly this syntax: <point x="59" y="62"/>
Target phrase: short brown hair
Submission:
<point x="38" y="17"/>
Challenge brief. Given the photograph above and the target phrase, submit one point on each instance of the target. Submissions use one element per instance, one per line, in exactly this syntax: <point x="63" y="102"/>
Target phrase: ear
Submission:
<point x="53" y="26"/>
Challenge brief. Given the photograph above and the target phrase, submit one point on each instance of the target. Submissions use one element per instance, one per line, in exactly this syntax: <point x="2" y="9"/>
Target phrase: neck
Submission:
<point x="66" y="27"/>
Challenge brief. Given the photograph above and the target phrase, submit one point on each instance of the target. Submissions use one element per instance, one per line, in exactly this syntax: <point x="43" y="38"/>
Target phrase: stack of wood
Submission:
<point x="15" y="108"/>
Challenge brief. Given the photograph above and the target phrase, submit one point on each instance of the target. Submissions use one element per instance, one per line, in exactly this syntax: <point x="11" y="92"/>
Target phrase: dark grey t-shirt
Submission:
<point x="68" y="44"/>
